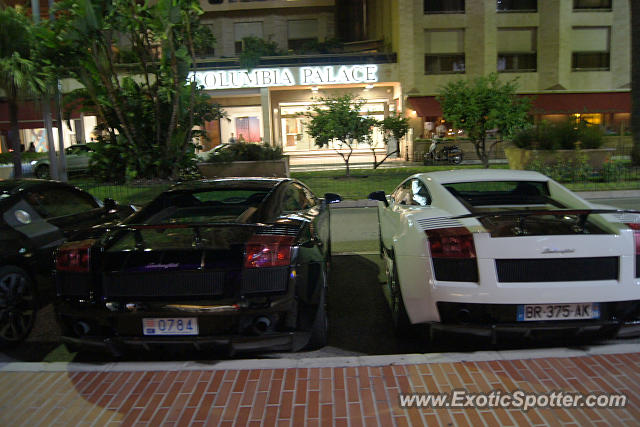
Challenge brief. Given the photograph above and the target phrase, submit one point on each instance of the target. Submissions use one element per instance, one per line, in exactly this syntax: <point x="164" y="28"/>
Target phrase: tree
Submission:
<point x="21" y="77"/>
<point x="338" y="119"/>
<point x="484" y="105"/>
<point x="133" y="59"/>
<point x="393" y="126"/>
<point x="635" y="80"/>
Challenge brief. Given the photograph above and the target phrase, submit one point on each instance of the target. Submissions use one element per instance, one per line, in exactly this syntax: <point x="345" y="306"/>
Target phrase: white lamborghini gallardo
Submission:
<point x="493" y="250"/>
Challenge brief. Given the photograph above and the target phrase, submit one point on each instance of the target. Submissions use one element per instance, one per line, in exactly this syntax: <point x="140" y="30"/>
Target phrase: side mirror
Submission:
<point x="379" y="196"/>
<point x="331" y="198"/>
<point x="109" y="204"/>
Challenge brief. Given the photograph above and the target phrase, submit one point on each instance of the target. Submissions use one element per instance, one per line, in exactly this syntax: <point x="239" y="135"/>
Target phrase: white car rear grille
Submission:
<point x="441" y="222"/>
<point x="557" y="270"/>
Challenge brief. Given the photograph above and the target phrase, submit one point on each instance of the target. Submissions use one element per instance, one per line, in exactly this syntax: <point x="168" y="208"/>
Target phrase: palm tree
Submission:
<point x="635" y="80"/>
<point x="20" y="76"/>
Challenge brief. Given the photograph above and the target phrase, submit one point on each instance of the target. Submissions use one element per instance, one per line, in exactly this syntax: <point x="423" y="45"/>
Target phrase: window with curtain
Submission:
<point x="444" y="51"/>
<point x="246" y="29"/>
<point x="590" y="47"/>
<point x="301" y="32"/>
<point x="517" y="50"/>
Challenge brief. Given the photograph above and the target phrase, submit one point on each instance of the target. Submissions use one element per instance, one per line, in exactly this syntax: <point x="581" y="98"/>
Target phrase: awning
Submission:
<point x="29" y="115"/>
<point x="425" y="106"/>
<point x="547" y="103"/>
<point x="571" y="103"/>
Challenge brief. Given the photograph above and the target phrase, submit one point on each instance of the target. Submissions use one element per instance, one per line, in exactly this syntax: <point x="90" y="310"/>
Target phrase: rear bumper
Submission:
<point x="228" y="344"/>
<point x="231" y="330"/>
<point x="590" y="328"/>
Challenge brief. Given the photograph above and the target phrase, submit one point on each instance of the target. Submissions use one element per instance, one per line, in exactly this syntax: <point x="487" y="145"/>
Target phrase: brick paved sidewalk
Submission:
<point x="340" y="396"/>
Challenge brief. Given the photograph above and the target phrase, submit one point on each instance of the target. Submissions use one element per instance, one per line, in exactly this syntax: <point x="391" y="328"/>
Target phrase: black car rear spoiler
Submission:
<point x="188" y="225"/>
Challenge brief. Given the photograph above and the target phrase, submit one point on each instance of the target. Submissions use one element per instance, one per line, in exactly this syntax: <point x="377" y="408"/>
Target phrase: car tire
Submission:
<point x="43" y="172"/>
<point x="320" y="328"/>
<point x="401" y="322"/>
<point x="18" y="305"/>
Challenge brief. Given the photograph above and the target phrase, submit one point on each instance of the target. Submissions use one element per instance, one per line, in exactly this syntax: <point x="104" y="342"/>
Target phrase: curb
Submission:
<point x="322" y="362"/>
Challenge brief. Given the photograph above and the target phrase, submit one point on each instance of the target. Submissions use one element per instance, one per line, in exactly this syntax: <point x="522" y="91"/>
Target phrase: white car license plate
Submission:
<point x="170" y="326"/>
<point x="537" y="312"/>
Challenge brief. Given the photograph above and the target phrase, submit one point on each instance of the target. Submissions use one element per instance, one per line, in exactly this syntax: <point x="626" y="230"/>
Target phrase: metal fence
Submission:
<point x="363" y="182"/>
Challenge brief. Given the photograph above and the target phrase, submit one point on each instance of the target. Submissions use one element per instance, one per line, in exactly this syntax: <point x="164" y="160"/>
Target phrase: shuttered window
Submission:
<point x="246" y="29"/>
<point x="301" y="32"/>
<point x="517" y="49"/>
<point x="444" y="51"/>
<point x="590" y="48"/>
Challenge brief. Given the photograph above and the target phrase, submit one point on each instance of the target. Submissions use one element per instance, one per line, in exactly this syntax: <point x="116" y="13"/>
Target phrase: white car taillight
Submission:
<point x="636" y="235"/>
<point x="453" y="254"/>
<point x="456" y="242"/>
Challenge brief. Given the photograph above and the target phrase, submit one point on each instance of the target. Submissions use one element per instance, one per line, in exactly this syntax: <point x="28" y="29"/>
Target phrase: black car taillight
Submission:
<point x="636" y="236"/>
<point x="266" y="250"/>
<point x="453" y="254"/>
<point x="75" y="257"/>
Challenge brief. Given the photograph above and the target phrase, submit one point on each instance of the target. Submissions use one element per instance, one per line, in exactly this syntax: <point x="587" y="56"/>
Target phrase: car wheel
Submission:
<point x="43" y="172"/>
<point x="401" y="322"/>
<point x="456" y="160"/>
<point x="17" y="305"/>
<point x="320" y="329"/>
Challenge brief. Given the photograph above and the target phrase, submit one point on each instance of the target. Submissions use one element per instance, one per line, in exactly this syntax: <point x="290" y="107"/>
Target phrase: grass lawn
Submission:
<point x="364" y="181"/>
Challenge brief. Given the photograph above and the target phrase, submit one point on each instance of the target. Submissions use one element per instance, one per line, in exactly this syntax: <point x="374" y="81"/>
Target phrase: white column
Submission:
<point x="265" y="102"/>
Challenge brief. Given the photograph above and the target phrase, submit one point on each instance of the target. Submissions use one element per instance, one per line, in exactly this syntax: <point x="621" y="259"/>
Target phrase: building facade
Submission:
<point x="270" y="103"/>
<point x="572" y="57"/>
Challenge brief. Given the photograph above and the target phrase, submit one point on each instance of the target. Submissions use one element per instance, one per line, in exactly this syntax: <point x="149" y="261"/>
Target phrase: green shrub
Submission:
<point x="590" y="136"/>
<point x="526" y="138"/>
<point x="245" y="152"/>
<point x="559" y="136"/>
<point x="613" y="170"/>
<point x="27" y="156"/>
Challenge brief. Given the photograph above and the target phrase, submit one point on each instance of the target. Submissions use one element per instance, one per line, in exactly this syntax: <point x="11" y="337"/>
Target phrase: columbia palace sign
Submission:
<point x="294" y="76"/>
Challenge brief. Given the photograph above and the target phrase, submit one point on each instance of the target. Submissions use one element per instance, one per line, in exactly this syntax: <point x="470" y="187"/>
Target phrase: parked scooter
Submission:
<point x="449" y="153"/>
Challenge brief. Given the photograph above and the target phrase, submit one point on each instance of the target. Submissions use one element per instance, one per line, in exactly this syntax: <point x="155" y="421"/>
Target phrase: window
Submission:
<point x="592" y="4"/>
<point x="517" y="50"/>
<point x="444" y="52"/>
<point x="56" y="202"/>
<point x="412" y="193"/>
<point x="301" y="32"/>
<point x="246" y="29"/>
<point x="590" y="48"/>
<point x="517" y="5"/>
<point x="295" y="199"/>
<point x="443" y="6"/>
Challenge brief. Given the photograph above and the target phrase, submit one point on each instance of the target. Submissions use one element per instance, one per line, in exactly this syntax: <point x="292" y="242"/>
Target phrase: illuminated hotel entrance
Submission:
<point x="271" y="104"/>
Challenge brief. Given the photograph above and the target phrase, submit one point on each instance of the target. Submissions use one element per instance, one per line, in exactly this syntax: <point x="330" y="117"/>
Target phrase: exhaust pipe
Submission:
<point x="261" y="325"/>
<point x="81" y="328"/>
<point x="464" y="315"/>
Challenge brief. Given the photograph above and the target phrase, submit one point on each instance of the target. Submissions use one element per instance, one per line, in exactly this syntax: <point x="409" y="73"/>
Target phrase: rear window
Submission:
<point x="205" y="206"/>
<point x="491" y="193"/>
